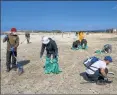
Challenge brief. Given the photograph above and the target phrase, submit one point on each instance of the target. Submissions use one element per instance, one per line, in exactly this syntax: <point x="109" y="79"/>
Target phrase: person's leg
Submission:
<point x="93" y="77"/>
<point x="28" y="39"/>
<point x="14" y="60"/>
<point x="74" y="45"/>
<point x="8" y="60"/>
<point x="78" y="44"/>
<point x="84" y="43"/>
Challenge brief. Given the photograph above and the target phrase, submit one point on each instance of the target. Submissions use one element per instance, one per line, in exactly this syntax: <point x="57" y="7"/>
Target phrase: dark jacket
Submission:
<point x="12" y="41"/>
<point x="51" y="48"/>
<point x="27" y="35"/>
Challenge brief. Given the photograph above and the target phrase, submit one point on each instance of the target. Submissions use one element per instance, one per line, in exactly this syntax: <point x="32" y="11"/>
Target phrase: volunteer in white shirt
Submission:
<point x="98" y="69"/>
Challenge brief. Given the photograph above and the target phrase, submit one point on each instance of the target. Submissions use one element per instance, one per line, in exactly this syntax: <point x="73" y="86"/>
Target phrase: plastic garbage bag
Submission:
<point x="98" y="52"/>
<point x="51" y="66"/>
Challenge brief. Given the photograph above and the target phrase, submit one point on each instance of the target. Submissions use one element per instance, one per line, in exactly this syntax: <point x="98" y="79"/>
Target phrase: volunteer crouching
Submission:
<point x="107" y="48"/>
<point x="81" y="43"/>
<point x="12" y="40"/>
<point x="97" y="70"/>
<point x="51" y="66"/>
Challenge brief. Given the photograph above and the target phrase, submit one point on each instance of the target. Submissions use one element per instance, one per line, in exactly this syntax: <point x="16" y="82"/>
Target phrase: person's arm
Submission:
<point x="103" y="73"/>
<point x="55" y="48"/>
<point x="17" y="42"/>
<point x="42" y="50"/>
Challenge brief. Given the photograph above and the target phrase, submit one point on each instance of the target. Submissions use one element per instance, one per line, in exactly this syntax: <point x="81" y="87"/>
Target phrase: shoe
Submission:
<point x="100" y="82"/>
<point x="8" y="70"/>
<point x="103" y="82"/>
<point x="109" y="82"/>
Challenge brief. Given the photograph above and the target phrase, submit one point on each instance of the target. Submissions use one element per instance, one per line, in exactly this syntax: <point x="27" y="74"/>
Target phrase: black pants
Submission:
<point x="49" y="55"/>
<point x="8" y="59"/>
<point x="84" y="43"/>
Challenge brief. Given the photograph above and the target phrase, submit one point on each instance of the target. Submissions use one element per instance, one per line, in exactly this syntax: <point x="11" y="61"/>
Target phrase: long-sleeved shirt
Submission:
<point x="12" y="41"/>
<point x="51" y="48"/>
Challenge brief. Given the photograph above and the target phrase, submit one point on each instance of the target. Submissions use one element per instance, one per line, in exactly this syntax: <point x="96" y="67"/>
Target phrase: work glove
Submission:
<point x="12" y="49"/>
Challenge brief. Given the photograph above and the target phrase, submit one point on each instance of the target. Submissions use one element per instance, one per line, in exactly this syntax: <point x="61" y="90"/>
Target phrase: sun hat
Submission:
<point x="45" y="40"/>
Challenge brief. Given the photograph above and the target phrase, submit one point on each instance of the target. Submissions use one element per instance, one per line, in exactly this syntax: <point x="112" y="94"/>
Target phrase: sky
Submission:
<point x="58" y="15"/>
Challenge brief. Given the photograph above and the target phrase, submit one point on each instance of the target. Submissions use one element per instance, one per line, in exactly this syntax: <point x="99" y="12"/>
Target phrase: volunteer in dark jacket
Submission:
<point x="51" y="47"/>
<point x="27" y="35"/>
<point x="12" y="40"/>
<point x="51" y="65"/>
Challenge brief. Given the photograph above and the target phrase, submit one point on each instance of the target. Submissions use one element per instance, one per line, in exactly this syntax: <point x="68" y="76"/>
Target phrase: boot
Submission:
<point x="8" y="70"/>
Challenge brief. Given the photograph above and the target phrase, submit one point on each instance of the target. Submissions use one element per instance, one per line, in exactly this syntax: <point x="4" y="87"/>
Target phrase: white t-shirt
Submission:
<point x="98" y="64"/>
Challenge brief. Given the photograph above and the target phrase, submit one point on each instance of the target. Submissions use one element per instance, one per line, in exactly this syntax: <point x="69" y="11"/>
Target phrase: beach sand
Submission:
<point x="69" y="81"/>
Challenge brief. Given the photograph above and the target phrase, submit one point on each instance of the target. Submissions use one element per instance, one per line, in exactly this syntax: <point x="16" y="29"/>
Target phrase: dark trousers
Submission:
<point x="8" y="59"/>
<point x="53" y="55"/>
<point x="84" y="43"/>
<point x="28" y="39"/>
<point x="97" y="75"/>
<point x="76" y="44"/>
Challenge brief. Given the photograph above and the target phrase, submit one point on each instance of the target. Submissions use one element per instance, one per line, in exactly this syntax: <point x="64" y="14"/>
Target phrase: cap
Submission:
<point x="108" y="58"/>
<point x="13" y="30"/>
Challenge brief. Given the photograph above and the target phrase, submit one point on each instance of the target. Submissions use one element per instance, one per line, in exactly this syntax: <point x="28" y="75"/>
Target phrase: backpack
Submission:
<point x="88" y="62"/>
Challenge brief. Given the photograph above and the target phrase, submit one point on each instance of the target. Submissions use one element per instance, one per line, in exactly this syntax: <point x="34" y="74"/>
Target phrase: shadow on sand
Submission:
<point x="23" y="62"/>
<point x="83" y="74"/>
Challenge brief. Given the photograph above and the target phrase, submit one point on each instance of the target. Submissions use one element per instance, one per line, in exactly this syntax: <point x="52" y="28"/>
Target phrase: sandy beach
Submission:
<point x="69" y="81"/>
